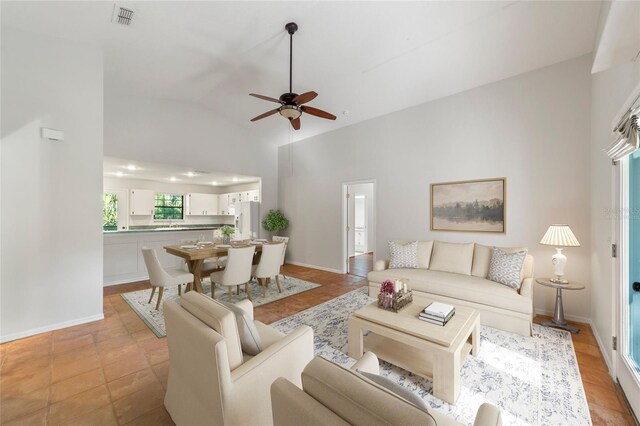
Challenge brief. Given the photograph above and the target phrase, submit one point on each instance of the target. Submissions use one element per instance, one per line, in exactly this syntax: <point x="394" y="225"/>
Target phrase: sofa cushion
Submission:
<point x="219" y="318"/>
<point x="250" y="341"/>
<point x="473" y="289"/>
<point x="482" y="259"/>
<point x="396" y="388"/>
<point x="506" y="268"/>
<point x="424" y="252"/>
<point x="452" y="257"/>
<point x="356" y="399"/>
<point x="403" y="255"/>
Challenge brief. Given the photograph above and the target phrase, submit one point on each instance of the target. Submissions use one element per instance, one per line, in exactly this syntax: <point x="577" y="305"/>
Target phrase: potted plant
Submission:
<point x="227" y="231"/>
<point x="275" y="222"/>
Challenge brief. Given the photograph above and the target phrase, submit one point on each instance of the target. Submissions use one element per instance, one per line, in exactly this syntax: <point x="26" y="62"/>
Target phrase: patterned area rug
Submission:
<point x="534" y="380"/>
<point x="138" y="300"/>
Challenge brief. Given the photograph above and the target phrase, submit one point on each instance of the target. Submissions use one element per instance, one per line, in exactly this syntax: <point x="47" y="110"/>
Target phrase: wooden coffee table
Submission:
<point x="425" y="349"/>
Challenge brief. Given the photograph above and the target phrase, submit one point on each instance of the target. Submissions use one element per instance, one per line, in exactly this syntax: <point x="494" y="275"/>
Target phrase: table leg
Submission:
<point x="355" y="340"/>
<point x="558" y="320"/>
<point x="475" y="339"/>
<point x="446" y="376"/>
<point x="195" y="267"/>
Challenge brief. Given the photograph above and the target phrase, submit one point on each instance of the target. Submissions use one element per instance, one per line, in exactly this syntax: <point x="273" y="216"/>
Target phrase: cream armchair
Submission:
<point x="333" y="395"/>
<point x="211" y="381"/>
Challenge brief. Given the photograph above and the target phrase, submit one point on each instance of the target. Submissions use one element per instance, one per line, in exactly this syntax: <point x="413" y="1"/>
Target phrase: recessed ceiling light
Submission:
<point x="346" y="112"/>
<point x="214" y="183"/>
<point x="132" y="167"/>
<point x="191" y="174"/>
<point x="172" y="178"/>
<point x="235" y="179"/>
<point x="119" y="174"/>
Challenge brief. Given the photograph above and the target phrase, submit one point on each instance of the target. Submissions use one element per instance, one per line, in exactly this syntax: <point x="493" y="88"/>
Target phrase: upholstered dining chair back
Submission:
<point x="157" y="275"/>
<point x="238" y="268"/>
<point x="284" y="240"/>
<point x="211" y="381"/>
<point x="270" y="260"/>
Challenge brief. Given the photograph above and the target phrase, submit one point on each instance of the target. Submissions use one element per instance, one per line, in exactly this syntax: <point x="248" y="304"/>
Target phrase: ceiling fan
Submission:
<point x="291" y="104"/>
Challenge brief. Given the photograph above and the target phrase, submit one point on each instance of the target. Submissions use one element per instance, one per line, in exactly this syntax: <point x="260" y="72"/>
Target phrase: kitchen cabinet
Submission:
<point x="223" y="204"/>
<point x="252" y="195"/>
<point x="141" y="202"/>
<point x="202" y="204"/>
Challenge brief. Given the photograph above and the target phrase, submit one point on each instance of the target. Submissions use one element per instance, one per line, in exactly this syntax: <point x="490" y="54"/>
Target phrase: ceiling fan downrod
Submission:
<point x="291" y="27"/>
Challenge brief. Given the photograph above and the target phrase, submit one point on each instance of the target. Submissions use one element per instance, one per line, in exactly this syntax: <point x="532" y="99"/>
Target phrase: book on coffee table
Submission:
<point x="439" y="310"/>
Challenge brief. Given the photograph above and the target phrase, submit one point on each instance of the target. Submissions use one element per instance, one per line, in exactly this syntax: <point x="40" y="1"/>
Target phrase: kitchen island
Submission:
<point x="123" y="261"/>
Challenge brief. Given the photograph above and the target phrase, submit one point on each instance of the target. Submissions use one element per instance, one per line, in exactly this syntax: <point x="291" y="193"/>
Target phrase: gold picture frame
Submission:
<point x="469" y="206"/>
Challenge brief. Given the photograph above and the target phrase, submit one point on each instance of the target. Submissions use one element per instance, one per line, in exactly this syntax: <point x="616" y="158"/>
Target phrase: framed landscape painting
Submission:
<point x="469" y="206"/>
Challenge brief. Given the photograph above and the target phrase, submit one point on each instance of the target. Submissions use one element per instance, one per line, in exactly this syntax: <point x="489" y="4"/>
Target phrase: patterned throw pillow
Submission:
<point x="505" y="267"/>
<point x="403" y="255"/>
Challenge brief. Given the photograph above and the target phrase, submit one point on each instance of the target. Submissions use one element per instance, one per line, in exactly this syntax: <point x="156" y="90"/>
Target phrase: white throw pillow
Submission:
<point x="403" y="255"/>
<point x="249" y="337"/>
<point x="505" y="267"/>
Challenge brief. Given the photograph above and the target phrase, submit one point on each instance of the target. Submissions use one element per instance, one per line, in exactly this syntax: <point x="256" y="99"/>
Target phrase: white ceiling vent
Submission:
<point x="122" y="15"/>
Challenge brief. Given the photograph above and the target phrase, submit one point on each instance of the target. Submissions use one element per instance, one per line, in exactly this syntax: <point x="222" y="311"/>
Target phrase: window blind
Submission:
<point x="627" y="136"/>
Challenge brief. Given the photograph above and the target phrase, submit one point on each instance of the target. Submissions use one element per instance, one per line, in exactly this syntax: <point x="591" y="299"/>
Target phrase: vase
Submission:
<point x="226" y="239"/>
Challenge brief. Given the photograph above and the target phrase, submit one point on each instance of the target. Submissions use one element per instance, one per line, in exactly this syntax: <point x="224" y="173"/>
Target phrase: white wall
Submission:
<point x="185" y="134"/>
<point x="610" y="89"/>
<point x="51" y="204"/>
<point x="533" y="129"/>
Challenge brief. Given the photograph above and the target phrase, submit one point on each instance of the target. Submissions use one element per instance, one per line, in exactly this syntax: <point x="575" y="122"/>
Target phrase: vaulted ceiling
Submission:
<point x="365" y="59"/>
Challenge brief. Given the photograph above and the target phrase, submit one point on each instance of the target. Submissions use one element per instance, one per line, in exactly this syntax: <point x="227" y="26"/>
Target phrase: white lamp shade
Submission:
<point x="560" y="236"/>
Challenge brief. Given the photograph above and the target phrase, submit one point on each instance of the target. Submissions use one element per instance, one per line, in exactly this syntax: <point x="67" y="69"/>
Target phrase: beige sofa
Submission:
<point x="332" y="395"/>
<point x="457" y="274"/>
<point x="211" y="381"/>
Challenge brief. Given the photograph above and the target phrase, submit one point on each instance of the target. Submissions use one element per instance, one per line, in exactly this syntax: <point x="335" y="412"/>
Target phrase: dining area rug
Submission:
<point x="534" y="380"/>
<point x="139" y="300"/>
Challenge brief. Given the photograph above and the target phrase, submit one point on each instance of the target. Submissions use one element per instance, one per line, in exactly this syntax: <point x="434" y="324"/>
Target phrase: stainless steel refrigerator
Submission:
<point x="247" y="221"/>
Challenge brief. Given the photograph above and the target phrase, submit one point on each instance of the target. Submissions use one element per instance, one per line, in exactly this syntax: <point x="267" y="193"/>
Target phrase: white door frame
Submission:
<point x="623" y="370"/>
<point x="345" y="219"/>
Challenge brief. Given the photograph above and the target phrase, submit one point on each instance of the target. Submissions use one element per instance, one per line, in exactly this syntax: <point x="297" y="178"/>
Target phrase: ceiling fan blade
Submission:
<point x="266" y="114"/>
<point x="305" y="97"/>
<point x="266" y="98"/>
<point x="295" y="123"/>
<point x="318" y="112"/>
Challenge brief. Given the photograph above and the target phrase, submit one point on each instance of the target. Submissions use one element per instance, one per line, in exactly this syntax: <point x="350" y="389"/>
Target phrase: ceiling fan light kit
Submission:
<point x="291" y="104"/>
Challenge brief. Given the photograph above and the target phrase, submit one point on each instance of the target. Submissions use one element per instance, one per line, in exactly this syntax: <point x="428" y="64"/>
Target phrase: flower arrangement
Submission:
<point x="394" y="295"/>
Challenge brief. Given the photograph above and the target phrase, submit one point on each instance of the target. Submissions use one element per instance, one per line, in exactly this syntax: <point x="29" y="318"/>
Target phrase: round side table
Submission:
<point x="558" y="320"/>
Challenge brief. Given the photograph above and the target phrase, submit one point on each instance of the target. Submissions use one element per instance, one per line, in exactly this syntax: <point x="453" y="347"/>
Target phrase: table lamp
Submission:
<point x="559" y="236"/>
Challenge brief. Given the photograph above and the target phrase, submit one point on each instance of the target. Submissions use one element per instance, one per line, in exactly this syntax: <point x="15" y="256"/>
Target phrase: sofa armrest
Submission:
<point x="246" y="306"/>
<point x="526" y="288"/>
<point x="381" y="265"/>
<point x="488" y="415"/>
<point x="368" y="363"/>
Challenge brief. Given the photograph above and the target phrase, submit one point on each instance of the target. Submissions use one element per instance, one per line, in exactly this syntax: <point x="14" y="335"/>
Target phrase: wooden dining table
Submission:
<point x="195" y="257"/>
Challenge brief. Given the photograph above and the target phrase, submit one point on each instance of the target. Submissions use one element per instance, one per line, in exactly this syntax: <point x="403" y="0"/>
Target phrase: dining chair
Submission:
<point x="284" y="240"/>
<point x="269" y="266"/>
<point x="236" y="272"/>
<point x="160" y="277"/>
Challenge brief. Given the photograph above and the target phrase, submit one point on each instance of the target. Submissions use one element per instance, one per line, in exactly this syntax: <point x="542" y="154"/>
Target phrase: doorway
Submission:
<point x="358" y="206"/>
<point x="628" y="291"/>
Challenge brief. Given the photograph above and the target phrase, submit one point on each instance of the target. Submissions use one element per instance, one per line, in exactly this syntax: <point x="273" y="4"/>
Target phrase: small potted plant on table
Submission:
<point x="227" y="231"/>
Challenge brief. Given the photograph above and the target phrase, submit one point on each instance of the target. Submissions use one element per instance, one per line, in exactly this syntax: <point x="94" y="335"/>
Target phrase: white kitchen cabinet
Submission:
<point x="234" y="197"/>
<point x="252" y="195"/>
<point x="141" y="202"/>
<point x="223" y="204"/>
<point x="202" y="204"/>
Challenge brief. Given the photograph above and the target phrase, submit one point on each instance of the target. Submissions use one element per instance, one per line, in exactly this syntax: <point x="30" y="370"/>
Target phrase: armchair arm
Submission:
<point x="246" y="306"/>
<point x="286" y="357"/>
<point x="368" y="363"/>
<point x="381" y="265"/>
<point x="488" y="415"/>
<point x="526" y="288"/>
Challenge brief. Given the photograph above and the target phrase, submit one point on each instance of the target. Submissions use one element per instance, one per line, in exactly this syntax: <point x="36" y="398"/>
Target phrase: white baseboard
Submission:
<point x="125" y="280"/>
<point x="322" y="268"/>
<point x="34" y="331"/>
<point x="567" y="316"/>
<point x="605" y="353"/>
